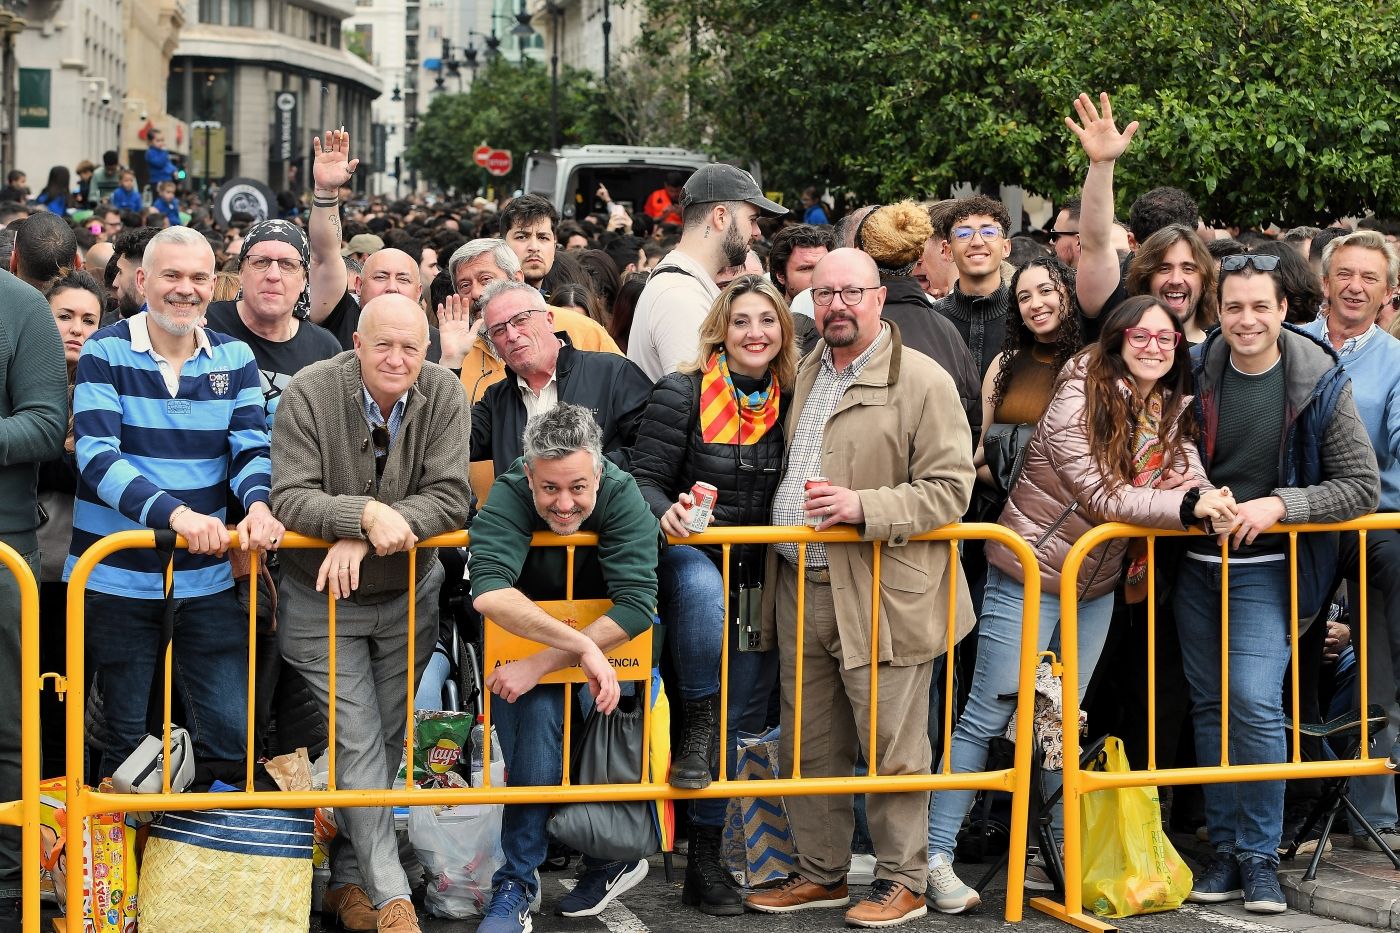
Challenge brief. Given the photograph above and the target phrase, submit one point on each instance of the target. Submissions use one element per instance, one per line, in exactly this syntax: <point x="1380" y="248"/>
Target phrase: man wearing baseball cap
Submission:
<point x="720" y="208"/>
<point x="362" y="246"/>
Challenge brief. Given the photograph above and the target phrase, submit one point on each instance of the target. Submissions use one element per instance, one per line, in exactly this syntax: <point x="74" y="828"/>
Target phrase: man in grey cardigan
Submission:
<point x="370" y="451"/>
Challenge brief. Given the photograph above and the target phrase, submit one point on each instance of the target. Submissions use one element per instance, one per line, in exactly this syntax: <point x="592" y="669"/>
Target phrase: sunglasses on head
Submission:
<point x="1262" y="262"/>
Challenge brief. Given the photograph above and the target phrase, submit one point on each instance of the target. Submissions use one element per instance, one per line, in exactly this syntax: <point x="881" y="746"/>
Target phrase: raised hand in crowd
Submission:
<point x="456" y="330"/>
<point x="333" y="167"/>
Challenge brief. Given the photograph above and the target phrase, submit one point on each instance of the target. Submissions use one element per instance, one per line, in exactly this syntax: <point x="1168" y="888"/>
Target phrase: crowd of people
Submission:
<point x="374" y="373"/>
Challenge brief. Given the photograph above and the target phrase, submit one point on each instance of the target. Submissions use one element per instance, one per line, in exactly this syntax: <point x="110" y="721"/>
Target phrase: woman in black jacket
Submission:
<point x="720" y="422"/>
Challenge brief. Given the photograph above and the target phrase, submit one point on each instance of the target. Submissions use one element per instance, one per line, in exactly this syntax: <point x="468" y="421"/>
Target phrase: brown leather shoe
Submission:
<point x="397" y="916"/>
<point x="888" y="904"/>
<point x="351" y="908"/>
<point x="797" y="893"/>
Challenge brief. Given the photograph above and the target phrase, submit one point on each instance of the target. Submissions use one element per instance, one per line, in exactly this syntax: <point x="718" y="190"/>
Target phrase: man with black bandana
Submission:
<point x="269" y="316"/>
<point x="721" y="204"/>
<point x="269" y="312"/>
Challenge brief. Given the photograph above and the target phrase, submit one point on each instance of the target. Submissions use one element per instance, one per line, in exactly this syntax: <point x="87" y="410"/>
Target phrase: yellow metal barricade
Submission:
<point x="1078" y="782"/>
<point x="24" y="812"/>
<point x="84" y="801"/>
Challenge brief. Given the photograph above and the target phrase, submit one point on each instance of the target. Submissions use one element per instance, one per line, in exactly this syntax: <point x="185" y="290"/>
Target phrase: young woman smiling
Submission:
<point x="1120" y="418"/>
<point x="720" y="422"/>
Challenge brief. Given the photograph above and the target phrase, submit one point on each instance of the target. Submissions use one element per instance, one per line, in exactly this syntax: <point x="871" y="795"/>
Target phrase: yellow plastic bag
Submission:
<point x="1130" y="867"/>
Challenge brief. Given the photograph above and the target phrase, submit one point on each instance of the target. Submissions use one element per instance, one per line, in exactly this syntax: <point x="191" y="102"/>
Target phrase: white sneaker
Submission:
<point x="1037" y="875"/>
<point x="946" y="890"/>
<point x="862" y="870"/>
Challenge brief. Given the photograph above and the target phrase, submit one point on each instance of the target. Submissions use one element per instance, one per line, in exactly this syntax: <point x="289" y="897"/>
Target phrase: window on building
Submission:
<point x="213" y="93"/>
<point x="240" y="12"/>
<point x="211" y="11"/>
<point x="410" y="20"/>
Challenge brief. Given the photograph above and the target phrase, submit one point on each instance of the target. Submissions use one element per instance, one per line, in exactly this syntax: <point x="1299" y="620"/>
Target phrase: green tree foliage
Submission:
<point x="1284" y="110"/>
<point x="506" y="107"/>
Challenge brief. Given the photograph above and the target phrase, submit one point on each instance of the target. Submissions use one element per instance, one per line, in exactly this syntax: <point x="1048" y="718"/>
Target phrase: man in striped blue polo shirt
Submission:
<point x="166" y="417"/>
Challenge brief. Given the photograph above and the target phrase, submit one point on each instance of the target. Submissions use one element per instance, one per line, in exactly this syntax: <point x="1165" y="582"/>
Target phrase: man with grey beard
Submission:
<point x="721" y="207"/>
<point x="167" y="420"/>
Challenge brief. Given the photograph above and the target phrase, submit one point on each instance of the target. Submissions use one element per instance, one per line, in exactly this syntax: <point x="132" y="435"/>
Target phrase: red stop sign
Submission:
<point x="499" y="162"/>
<point x="480" y="154"/>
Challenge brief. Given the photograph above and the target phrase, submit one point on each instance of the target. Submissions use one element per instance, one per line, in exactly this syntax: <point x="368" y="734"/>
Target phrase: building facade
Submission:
<point x="272" y="74"/>
<point x="71" y="62"/>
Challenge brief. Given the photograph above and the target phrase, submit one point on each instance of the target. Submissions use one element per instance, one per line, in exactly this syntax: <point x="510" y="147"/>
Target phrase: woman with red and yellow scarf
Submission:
<point x="720" y="421"/>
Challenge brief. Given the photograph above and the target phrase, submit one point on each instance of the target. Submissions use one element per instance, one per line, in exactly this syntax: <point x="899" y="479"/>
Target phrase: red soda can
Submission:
<point x="816" y="482"/>
<point x="704" y="497"/>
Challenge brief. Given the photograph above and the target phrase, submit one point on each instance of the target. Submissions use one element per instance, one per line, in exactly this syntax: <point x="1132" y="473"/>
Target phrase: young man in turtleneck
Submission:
<point x="974" y="231"/>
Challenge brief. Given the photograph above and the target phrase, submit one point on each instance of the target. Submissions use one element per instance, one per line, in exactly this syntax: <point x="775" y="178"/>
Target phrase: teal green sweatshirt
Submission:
<point x="621" y="568"/>
<point x="33" y="405"/>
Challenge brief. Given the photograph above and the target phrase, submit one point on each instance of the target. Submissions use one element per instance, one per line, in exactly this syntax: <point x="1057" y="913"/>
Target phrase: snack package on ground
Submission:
<point x="292" y="771"/>
<point x="109" y="860"/>
<point x="439" y="741"/>
<point x="460" y="848"/>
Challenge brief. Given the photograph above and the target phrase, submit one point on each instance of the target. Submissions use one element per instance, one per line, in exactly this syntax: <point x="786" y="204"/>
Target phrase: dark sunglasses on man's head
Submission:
<point x="1262" y="262"/>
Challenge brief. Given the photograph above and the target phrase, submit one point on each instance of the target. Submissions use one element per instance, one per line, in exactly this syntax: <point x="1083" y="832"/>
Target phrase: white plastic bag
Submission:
<point x="460" y="848"/>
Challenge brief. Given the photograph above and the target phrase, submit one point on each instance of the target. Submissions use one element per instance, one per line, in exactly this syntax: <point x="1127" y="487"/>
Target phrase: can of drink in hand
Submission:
<point x="704" y="497"/>
<point x="816" y="482"/>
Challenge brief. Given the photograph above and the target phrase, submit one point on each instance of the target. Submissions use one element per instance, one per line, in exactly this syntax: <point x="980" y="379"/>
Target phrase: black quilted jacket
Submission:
<point x="669" y="457"/>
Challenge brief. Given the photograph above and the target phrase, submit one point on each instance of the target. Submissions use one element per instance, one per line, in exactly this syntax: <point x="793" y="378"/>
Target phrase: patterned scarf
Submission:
<point x="1149" y="462"/>
<point x="728" y="416"/>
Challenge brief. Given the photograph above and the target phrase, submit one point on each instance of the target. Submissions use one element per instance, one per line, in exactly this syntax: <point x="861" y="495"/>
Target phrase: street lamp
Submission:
<point x="522" y="28"/>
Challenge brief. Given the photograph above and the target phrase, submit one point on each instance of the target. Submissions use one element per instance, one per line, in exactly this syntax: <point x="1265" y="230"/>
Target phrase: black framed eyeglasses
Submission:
<point x="1056" y="234"/>
<point x="379" y="434"/>
<point x="851" y="295"/>
<point x="1262" y="262"/>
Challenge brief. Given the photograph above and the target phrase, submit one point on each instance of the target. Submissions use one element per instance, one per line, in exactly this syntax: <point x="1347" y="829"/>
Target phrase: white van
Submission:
<point x="569" y="177"/>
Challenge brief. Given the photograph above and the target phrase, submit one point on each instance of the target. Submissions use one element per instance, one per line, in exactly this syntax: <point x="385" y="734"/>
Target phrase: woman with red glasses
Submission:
<point x="1119" y="421"/>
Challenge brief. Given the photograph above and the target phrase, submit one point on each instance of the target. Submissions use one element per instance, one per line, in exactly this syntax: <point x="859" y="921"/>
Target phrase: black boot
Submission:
<point x="707" y="885"/>
<point x="690" y="769"/>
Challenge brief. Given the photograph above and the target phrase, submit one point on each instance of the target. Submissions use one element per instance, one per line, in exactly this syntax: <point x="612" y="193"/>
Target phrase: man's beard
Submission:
<point x="841" y="340"/>
<point x="169" y="325"/>
<point x="736" y="248"/>
<point x="128" y="303"/>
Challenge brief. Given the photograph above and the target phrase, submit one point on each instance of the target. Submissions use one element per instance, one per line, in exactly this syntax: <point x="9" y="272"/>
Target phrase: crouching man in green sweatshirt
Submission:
<point x="562" y="484"/>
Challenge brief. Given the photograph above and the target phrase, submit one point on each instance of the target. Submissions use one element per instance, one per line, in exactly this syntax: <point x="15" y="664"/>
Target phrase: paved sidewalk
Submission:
<point x="1352" y="885"/>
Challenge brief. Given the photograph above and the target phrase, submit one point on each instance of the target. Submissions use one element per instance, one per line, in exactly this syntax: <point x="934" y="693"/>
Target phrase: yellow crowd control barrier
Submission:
<point x="83" y="801"/>
<point x="1078" y="782"/>
<point x="24" y="812"/>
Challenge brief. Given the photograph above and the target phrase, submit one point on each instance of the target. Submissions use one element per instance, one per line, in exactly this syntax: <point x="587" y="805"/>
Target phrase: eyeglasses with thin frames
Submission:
<point x="987" y="232"/>
<point x="1139" y="337"/>
<point x="518" y="323"/>
<point x="263" y="263"/>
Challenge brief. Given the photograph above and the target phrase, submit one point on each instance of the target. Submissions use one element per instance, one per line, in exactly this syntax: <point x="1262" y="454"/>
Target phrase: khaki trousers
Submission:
<point x="835" y="723"/>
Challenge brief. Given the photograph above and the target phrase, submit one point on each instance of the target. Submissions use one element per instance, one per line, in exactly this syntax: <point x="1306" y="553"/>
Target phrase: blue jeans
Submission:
<point x="209" y="670"/>
<point x="994" y="682"/>
<point x="691" y="600"/>
<point x="691" y="603"/>
<point x="1248" y="816"/>
<point x="531" y="733"/>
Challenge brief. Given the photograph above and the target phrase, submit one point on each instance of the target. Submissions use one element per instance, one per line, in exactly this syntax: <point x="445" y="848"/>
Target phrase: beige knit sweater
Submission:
<point x="323" y="467"/>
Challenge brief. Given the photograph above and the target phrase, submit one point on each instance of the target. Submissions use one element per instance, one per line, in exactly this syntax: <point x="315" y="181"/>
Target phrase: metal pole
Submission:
<point x="555" y="14"/>
<point x="607" y="30"/>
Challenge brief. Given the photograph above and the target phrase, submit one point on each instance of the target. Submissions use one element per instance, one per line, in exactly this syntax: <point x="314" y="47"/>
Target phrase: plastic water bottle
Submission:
<point x="478" y="749"/>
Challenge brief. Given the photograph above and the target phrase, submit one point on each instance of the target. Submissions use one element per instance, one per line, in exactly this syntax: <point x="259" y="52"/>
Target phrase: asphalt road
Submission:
<point x="655" y="905"/>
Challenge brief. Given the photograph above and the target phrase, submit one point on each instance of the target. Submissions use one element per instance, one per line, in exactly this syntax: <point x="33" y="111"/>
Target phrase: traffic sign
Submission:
<point x="480" y="154"/>
<point x="499" y="162"/>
